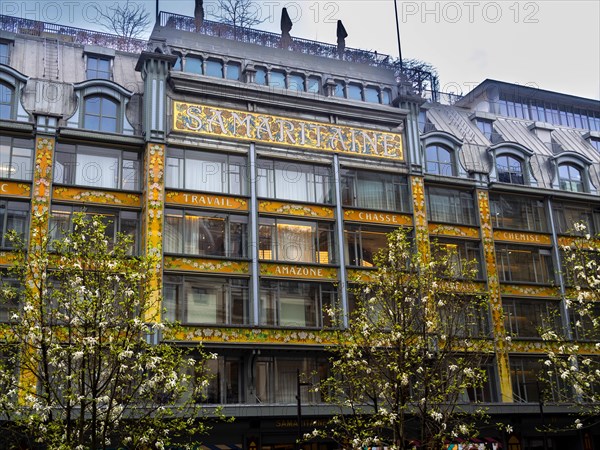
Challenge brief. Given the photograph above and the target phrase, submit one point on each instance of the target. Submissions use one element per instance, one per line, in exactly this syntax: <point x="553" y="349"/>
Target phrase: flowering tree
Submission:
<point x="411" y="355"/>
<point x="573" y="365"/>
<point x="83" y="364"/>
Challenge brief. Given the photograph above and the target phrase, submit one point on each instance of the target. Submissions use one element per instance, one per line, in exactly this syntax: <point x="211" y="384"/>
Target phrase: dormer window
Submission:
<point x="510" y="169"/>
<point x="6" y="101"/>
<point x="439" y="160"/>
<point x="4" y="52"/>
<point x="486" y="127"/>
<point x="570" y="178"/>
<point x="101" y="114"/>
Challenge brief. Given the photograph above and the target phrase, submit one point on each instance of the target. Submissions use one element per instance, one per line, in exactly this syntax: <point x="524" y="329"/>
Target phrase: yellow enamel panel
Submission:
<point x="383" y="218"/>
<point x="15" y="189"/>
<point x="360" y="276"/>
<point x="206" y="265"/>
<point x="6" y="258"/>
<point x="254" y="335"/>
<point x="296" y="271"/>
<point x="206" y="201"/>
<point x="289" y="132"/>
<point x="453" y="230"/>
<point x="292" y="209"/>
<point x="79" y="195"/>
<point x="529" y="291"/>
<point x="522" y="238"/>
<point x="495" y="299"/>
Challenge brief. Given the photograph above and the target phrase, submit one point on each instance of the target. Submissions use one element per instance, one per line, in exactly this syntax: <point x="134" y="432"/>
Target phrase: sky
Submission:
<point x="549" y="44"/>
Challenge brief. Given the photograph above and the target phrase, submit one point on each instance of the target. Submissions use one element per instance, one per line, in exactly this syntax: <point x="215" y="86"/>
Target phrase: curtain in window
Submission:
<point x="201" y="305"/>
<point x="292" y="312"/>
<point x="293" y="184"/>
<point x="173" y="233"/>
<point x="295" y="242"/>
<point x="370" y="194"/>
<point x="97" y="170"/>
<point x="204" y="175"/>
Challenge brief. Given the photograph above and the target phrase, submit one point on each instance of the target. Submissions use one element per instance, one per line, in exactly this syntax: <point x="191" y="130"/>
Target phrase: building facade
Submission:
<point x="266" y="178"/>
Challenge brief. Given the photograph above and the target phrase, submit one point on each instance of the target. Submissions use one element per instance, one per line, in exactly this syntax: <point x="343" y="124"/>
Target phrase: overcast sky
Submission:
<point x="551" y="44"/>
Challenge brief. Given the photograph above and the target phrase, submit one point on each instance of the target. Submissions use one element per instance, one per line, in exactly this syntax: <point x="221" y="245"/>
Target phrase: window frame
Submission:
<point x="393" y="196"/>
<point x="14" y="81"/>
<point x="532" y="213"/>
<point x="98" y="58"/>
<point x="11" y="143"/>
<point x="452" y="195"/>
<point x="506" y="274"/>
<point x="5" y="206"/>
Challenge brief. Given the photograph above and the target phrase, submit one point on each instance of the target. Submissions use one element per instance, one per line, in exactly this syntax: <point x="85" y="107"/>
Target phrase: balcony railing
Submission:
<point x="273" y="40"/>
<point x="71" y="34"/>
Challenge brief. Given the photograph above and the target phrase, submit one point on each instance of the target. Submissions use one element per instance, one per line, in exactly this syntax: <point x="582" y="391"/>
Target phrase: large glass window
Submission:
<point x="261" y="76"/>
<point x="524" y="264"/>
<point x="193" y="65"/>
<point x="205" y="234"/>
<point x="226" y="384"/>
<point x="198" y="300"/>
<point x="583" y="325"/>
<point x="371" y="94"/>
<point x="487" y="393"/>
<point x="13" y="216"/>
<point x="290" y="180"/>
<point x="374" y="190"/>
<point x="125" y="222"/>
<point x="98" y="67"/>
<point x="295" y="304"/>
<point x="518" y="213"/>
<point x="234" y="71"/>
<point x="296" y="82"/>
<point x="276" y="378"/>
<point x="354" y="91"/>
<point x="16" y="158"/>
<point x="6" y="101"/>
<point x="8" y="305"/>
<point x="450" y="205"/>
<point x="202" y="171"/>
<point x="463" y="256"/>
<point x="570" y="178"/>
<point x="298" y="241"/>
<point x="439" y="160"/>
<point x="100" y="114"/>
<point x="277" y="79"/>
<point x="525" y="373"/>
<point x="530" y="318"/>
<point x="566" y="215"/>
<point x="510" y="169"/>
<point x="99" y="167"/>
<point x="362" y="243"/>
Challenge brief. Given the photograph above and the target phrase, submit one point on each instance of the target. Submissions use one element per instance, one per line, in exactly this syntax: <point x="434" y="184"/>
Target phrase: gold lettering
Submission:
<point x="218" y="118"/>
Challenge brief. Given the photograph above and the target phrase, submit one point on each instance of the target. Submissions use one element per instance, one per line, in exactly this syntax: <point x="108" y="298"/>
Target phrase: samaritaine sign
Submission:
<point x="255" y="127"/>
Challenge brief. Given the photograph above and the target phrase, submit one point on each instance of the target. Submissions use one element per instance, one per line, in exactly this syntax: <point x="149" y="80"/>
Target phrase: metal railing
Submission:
<point x="71" y="34"/>
<point x="273" y="40"/>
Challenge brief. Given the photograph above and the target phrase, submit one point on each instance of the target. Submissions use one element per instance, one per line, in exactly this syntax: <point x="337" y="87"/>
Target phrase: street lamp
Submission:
<point x="299" y="385"/>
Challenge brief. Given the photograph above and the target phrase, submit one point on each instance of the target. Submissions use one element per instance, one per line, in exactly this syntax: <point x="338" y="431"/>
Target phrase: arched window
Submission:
<point x="570" y="178"/>
<point x="510" y="169"/>
<point x="100" y="114"/>
<point x="6" y="101"/>
<point x="439" y="160"/>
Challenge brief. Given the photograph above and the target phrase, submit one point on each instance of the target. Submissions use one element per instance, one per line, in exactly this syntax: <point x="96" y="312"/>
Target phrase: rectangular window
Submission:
<point x="524" y="264"/>
<point x="486" y="127"/>
<point x="16" y="158"/>
<point x="583" y="325"/>
<point x="261" y="76"/>
<point x="354" y="91"/>
<point x="566" y="215"/>
<point x="375" y="190"/>
<point x="214" y="68"/>
<point x="13" y="216"/>
<point x="518" y="213"/>
<point x="84" y="165"/>
<point x="234" y="71"/>
<point x="4" y="53"/>
<point x="371" y="94"/>
<point x="277" y="79"/>
<point x="295" y="304"/>
<point x="525" y="373"/>
<point x="530" y="318"/>
<point x="205" y="234"/>
<point x="209" y="172"/>
<point x="314" y="85"/>
<point x="298" y="241"/>
<point x="296" y="82"/>
<point x="290" y="180"/>
<point x="198" y="300"/>
<point x="464" y="257"/>
<point x="486" y="393"/>
<point x="9" y="304"/>
<point x="225" y="385"/>
<point x="98" y="67"/>
<point x="125" y="222"/>
<point x="339" y="90"/>
<point x="362" y="243"/>
<point x="451" y="206"/>
<point x="276" y="378"/>
<point x="193" y="65"/>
